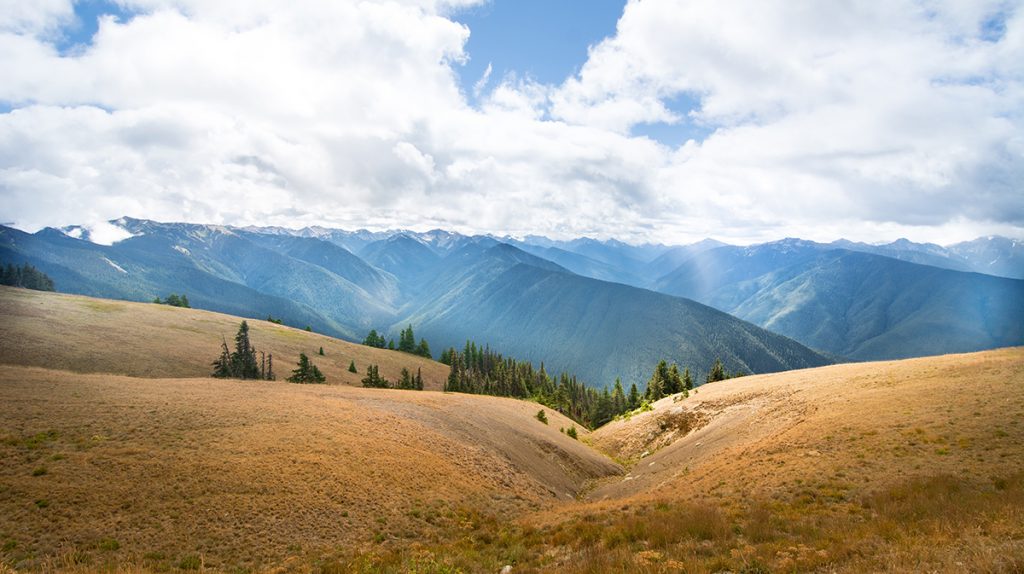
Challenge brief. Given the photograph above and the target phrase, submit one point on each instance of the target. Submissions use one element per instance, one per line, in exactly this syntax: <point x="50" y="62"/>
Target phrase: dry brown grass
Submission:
<point x="246" y="474"/>
<point x="908" y="466"/>
<point x="87" y="335"/>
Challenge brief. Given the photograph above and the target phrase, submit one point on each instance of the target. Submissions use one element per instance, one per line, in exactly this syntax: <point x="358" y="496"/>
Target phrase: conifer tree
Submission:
<point x="407" y="341"/>
<point x="419" y="379"/>
<point x="222" y="366"/>
<point x="687" y="379"/>
<point x="634" y="397"/>
<point x="306" y="372"/>
<point x="423" y="349"/>
<point x="717" y="372"/>
<point x="618" y="399"/>
<point x="352" y="366"/>
<point x="674" y="382"/>
<point x="243" y="360"/>
<point x="656" y="384"/>
<point x="405" y="380"/>
<point x="242" y="363"/>
<point x="374" y="340"/>
<point x="321" y="351"/>
<point x="373" y="379"/>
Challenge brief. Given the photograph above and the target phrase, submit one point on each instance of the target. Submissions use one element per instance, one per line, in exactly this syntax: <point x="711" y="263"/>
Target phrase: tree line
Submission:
<point x="406" y="343"/>
<point x="25" y="276"/>
<point x="480" y="370"/>
<point x="174" y="300"/>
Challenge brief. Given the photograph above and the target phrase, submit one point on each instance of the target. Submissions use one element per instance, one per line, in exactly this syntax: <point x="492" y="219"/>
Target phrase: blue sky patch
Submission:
<point x="79" y="34"/>
<point x="680" y="132"/>
<point x="545" y="40"/>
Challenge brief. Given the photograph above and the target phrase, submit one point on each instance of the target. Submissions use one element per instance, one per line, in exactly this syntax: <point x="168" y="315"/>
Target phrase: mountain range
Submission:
<point x="599" y="309"/>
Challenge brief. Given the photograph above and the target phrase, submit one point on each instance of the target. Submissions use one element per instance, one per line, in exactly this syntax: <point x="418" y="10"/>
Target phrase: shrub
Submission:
<point x="572" y="432"/>
<point x="190" y="562"/>
<point x="108" y="545"/>
<point x="542" y="417"/>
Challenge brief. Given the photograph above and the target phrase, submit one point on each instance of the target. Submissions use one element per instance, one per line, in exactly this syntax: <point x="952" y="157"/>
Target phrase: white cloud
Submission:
<point x="34" y="17"/>
<point x="105" y="233"/>
<point x="485" y="78"/>
<point x="866" y="120"/>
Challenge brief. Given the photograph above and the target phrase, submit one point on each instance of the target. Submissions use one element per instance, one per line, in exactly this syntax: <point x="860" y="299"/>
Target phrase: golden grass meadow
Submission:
<point x="121" y="455"/>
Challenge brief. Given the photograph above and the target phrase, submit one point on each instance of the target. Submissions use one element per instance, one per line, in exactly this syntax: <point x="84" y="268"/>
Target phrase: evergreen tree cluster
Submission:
<point x="479" y="370"/>
<point x="174" y="301"/>
<point x="375" y="340"/>
<point x="373" y="380"/>
<point x="307" y="372"/>
<point x="407" y="380"/>
<point x="718" y="373"/>
<point x="25" y="276"/>
<point x="667" y="381"/>
<point x="406" y="343"/>
<point x="241" y="363"/>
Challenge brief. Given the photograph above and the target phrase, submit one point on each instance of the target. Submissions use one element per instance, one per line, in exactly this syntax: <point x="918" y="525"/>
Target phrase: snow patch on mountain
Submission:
<point x="115" y="266"/>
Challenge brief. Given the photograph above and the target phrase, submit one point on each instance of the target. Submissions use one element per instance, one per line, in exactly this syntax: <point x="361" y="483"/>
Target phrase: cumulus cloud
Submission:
<point x="867" y="121"/>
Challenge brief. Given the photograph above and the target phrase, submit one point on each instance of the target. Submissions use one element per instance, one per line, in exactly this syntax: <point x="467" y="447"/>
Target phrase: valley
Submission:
<point x="600" y="309"/>
<point x="116" y="466"/>
<point x="511" y="287"/>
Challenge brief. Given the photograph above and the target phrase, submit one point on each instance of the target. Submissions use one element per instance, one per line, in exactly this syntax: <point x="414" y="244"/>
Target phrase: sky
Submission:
<point x="643" y="120"/>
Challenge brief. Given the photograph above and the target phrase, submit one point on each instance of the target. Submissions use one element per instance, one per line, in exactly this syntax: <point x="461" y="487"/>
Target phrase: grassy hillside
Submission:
<point x="244" y="475"/>
<point x="908" y="466"/>
<point x="113" y="456"/>
<point x="86" y="335"/>
<point x="900" y="466"/>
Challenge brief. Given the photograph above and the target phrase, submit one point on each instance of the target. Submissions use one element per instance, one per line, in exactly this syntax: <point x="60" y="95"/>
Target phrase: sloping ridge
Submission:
<point x="602" y="330"/>
<point x="75" y="334"/>
<point x="884" y="420"/>
<point x="857" y="305"/>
